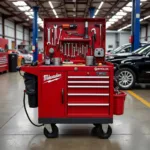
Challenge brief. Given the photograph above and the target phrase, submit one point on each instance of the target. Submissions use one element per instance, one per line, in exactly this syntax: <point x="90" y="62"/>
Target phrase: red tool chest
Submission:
<point x="73" y="91"/>
<point x="3" y="61"/>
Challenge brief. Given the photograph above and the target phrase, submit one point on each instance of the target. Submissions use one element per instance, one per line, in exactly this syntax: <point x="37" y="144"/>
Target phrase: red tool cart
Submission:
<point x="3" y="61"/>
<point x="75" y="84"/>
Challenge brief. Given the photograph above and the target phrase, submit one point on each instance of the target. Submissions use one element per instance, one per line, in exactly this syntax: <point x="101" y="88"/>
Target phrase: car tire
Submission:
<point x="126" y="78"/>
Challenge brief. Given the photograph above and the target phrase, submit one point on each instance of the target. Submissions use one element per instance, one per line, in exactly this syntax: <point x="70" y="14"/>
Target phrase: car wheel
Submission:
<point x="126" y="78"/>
<point x="22" y="61"/>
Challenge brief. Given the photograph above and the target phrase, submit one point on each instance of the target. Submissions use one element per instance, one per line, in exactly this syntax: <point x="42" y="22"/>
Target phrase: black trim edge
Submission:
<point x="76" y="120"/>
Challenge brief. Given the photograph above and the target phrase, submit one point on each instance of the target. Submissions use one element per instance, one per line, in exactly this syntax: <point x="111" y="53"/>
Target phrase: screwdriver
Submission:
<point x="69" y="26"/>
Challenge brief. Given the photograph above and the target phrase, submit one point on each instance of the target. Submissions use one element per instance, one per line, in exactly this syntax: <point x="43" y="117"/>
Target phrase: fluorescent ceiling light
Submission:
<point x="54" y="11"/>
<point x="51" y="5"/>
<point x="143" y="0"/>
<point x="125" y="27"/>
<point x="96" y="12"/>
<point x="24" y="8"/>
<point x="147" y="17"/>
<point x="129" y="4"/>
<point x="117" y="17"/>
<point x="121" y="13"/>
<point x="19" y="3"/>
<point x="93" y="16"/>
<point x="113" y="19"/>
<point x="128" y="9"/>
<point x="100" y="5"/>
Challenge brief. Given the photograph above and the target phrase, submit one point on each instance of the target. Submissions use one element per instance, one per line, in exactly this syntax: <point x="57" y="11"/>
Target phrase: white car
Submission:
<point x="26" y="57"/>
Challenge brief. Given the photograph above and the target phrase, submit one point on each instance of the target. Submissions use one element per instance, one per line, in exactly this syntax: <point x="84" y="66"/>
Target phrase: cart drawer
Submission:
<point x="88" y="73"/>
<point x="87" y="99"/>
<point x="93" y="110"/>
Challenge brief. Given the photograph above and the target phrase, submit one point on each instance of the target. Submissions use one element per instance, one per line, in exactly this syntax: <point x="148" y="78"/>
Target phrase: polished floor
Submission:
<point x="130" y="131"/>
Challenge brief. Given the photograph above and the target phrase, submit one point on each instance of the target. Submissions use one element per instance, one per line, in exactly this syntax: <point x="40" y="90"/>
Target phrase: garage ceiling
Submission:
<point x="21" y="11"/>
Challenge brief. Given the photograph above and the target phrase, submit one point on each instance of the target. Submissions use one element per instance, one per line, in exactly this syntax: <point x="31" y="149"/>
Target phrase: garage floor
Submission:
<point x="130" y="131"/>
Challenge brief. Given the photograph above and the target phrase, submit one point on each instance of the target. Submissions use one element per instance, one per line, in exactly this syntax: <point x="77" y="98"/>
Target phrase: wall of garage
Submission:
<point x="115" y="39"/>
<point x="10" y="35"/>
<point x="145" y="33"/>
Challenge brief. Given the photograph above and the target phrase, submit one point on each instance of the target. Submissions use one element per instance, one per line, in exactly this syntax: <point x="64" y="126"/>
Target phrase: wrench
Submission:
<point x="48" y="36"/>
<point x="55" y="34"/>
<point x="82" y="49"/>
<point x="76" y="47"/>
<point x="65" y="50"/>
<point x="52" y="36"/>
<point x="68" y="49"/>
<point x="60" y="30"/>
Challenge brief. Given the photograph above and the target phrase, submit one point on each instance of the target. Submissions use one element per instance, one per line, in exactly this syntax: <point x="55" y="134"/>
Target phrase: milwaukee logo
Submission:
<point x="51" y="78"/>
<point x="103" y="69"/>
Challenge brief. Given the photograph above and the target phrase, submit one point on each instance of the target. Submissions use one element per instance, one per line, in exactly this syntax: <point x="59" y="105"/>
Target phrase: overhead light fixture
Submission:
<point x="125" y="27"/>
<point x="52" y="7"/>
<point x="121" y="13"/>
<point x="129" y="4"/>
<point x="99" y="7"/>
<point x="146" y="17"/>
<point x="24" y="8"/>
<point x="117" y="17"/>
<point x="19" y="3"/>
<point x="113" y="19"/>
<point x="128" y="9"/>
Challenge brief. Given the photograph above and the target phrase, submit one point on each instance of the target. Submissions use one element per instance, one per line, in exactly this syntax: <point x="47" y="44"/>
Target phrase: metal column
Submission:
<point x="135" y="24"/>
<point x="91" y="11"/>
<point x="35" y="34"/>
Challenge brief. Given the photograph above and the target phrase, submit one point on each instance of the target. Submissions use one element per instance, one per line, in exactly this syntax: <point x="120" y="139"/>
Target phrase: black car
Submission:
<point x="133" y="69"/>
<point x="117" y="58"/>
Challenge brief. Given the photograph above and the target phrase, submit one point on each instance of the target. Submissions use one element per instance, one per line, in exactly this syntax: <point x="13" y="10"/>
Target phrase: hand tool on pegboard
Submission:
<point x="48" y="36"/>
<point x="100" y="33"/>
<point x="93" y="30"/>
<point x="68" y="26"/>
<point x="86" y="36"/>
<point x="55" y="34"/>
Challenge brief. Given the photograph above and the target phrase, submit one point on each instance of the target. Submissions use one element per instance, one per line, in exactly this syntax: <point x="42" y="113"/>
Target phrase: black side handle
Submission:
<point x="62" y="96"/>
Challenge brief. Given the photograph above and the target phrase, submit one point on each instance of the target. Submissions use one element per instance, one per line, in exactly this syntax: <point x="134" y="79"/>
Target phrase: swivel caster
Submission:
<point x="53" y="134"/>
<point x="101" y="133"/>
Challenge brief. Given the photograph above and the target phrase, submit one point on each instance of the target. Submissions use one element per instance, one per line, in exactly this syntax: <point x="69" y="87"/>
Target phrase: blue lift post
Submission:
<point x="135" y="19"/>
<point x="35" y="34"/>
<point x="91" y="11"/>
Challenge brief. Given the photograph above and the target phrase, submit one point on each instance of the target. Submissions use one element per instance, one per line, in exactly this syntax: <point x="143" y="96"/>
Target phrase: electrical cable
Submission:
<point x="37" y="125"/>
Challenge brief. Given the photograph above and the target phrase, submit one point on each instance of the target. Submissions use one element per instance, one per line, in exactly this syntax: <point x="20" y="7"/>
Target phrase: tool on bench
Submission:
<point x="68" y="26"/>
<point x="72" y="54"/>
<point x="86" y="36"/>
<point x="75" y="34"/>
<point x="100" y="32"/>
<point x="93" y="30"/>
<point x="55" y="34"/>
<point x="48" y="36"/>
<point x="60" y="31"/>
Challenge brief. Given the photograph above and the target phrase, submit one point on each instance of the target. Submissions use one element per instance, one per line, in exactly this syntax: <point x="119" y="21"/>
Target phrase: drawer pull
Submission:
<point x="87" y="94"/>
<point x="88" y="82"/>
<point x="88" y="86"/>
<point x="88" y="77"/>
<point x="88" y="104"/>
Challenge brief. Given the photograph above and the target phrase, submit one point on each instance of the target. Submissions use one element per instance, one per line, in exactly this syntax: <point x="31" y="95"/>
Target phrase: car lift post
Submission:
<point x="35" y="34"/>
<point x="135" y="19"/>
<point x="91" y="11"/>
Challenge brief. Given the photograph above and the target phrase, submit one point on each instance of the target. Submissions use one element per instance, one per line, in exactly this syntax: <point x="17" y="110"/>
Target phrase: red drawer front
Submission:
<point x="87" y="99"/>
<point x="88" y="73"/>
<point x="87" y="90"/>
<point x="88" y="111"/>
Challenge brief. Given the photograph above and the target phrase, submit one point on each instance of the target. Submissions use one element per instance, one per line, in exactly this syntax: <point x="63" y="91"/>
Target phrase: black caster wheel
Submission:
<point x="94" y="131"/>
<point x="96" y="124"/>
<point x="104" y="135"/>
<point x="53" y="134"/>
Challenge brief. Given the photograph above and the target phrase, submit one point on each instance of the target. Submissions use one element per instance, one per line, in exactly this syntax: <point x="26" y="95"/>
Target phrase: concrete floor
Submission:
<point x="130" y="131"/>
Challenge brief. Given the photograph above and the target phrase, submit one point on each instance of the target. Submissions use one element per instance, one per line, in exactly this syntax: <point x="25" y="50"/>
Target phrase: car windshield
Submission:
<point x="118" y="49"/>
<point x="143" y="50"/>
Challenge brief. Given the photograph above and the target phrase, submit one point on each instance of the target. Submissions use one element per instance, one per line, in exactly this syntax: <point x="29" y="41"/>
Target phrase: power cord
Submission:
<point x="24" y="105"/>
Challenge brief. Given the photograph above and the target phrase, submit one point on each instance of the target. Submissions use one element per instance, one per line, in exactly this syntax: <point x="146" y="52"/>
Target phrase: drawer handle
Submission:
<point x="62" y="96"/>
<point x="88" y="104"/>
<point x="87" y="94"/>
<point x="88" y="86"/>
<point x="88" y="77"/>
<point x="88" y="82"/>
